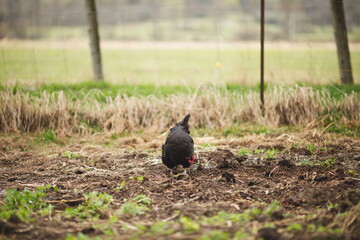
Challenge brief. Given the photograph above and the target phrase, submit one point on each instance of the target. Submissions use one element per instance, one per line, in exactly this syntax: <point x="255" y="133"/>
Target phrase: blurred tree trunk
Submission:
<point x="342" y="45"/>
<point x="94" y="39"/>
<point x="156" y="15"/>
<point x="290" y="9"/>
<point x="15" y="20"/>
<point x="35" y="18"/>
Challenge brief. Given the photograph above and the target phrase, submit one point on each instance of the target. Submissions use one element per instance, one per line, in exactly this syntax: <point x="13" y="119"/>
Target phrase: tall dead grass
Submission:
<point x="20" y="112"/>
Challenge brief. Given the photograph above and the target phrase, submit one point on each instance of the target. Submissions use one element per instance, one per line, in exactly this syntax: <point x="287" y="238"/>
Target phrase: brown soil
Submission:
<point x="220" y="180"/>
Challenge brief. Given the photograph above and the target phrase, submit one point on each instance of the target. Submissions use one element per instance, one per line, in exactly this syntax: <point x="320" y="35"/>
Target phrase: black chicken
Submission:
<point x="179" y="146"/>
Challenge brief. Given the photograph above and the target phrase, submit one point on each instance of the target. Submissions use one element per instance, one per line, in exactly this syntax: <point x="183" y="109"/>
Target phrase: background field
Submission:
<point x="173" y="63"/>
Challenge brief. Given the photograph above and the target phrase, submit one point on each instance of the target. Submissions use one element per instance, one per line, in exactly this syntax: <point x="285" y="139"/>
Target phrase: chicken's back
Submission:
<point x="178" y="149"/>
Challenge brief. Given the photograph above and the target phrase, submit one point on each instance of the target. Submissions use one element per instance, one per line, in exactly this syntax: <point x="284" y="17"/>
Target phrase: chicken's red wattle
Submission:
<point x="191" y="160"/>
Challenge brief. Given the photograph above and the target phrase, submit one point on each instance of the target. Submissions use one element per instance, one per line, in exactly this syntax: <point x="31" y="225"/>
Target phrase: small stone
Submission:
<point x="228" y="177"/>
<point x="285" y="163"/>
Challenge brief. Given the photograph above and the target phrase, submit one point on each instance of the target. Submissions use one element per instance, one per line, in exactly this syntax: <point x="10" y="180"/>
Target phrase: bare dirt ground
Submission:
<point x="319" y="194"/>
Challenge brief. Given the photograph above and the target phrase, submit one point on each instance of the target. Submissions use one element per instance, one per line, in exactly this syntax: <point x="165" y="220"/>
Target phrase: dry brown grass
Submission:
<point x="20" y="112"/>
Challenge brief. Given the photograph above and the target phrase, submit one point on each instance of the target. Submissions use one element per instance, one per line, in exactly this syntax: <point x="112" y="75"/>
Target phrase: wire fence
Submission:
<point x="177" y="43"/>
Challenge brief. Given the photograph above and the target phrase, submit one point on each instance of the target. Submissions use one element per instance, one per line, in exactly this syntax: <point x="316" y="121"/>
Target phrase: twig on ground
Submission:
<point x="273" y="170"/>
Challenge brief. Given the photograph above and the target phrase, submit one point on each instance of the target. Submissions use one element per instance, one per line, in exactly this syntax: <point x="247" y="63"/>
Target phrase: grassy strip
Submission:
<point x="106" y="89"/>
<point x="79" y="90"/>
<point x="93" y="107"/>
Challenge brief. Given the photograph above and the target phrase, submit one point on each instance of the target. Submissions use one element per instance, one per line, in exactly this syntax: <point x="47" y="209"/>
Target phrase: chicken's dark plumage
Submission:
<point x="179" y="146"/>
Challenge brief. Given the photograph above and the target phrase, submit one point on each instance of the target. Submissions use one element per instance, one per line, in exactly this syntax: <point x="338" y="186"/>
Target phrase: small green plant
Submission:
<point x="326" y="163"/>
<point x="23" y="204"/>
<point x="50" y="136"/>
<point x="244" y="152"/>
<point x="139" y="178"/>
<point x="132" y="208"/>
<point x="120" y="186"/>
<point x="81" y="236"/>
<point x="320" y="228"/>
<point x="332" y="206"/>
<point x="189" y="224"/>
<point x="208" y="145"/>
<point x="323" y="148"/>
<point x="270" y="154"/>
<point x="269" y="225"/>
<point x="227" y="132"/>
<point x="306" y="162"/>
<point x="137" y="205"/>
<point x="115" y="136"/>
<point x="272" y="207"/>
<point x="142" y="199"/>
<point x="259" y="151"/>
<point x="221" y="218"/>
<point x="107" y="227"/>
<point x="250" y="213"/>
<point x="353" y="172"/>
<point x="160" y="228"/>
<point x="140" y="229"/>
<point x="311" y="148"/>
<point x="95" y="205"/>
<point x="309" y="216"/>
<point x="294" y="227"/>
<point x="330" y="162"/>
<point x="215" y="235"/>
<point x="240" y="235"/>
<point x="68" y="154"/>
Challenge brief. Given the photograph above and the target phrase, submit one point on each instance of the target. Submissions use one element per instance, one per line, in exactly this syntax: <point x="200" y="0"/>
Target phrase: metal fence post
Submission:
<point x="262" y="23"/>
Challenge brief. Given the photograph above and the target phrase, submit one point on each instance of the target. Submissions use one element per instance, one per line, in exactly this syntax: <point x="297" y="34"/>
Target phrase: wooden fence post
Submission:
<point x="94" y="39"/>
<point x="342" y="45"/>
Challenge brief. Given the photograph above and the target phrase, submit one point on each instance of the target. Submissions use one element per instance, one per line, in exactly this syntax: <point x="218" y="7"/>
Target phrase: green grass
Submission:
<point x="338" y="91"/>
<point x="79" y="90"/>
<point x="188" y="66"/>
<point x="344" y="130"/>
<point x="244" y="152"/>
<point x="138" y="205"/>
<point x="81" y="236"/>
<point x="270" y="154"/>
<point x="68" y="154"/>
<point x="50" y="136"/>
<point x="101" y="90"/>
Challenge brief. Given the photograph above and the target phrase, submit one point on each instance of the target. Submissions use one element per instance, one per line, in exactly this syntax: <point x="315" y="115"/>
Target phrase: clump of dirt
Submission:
<point x="351" y="224"/>
<point x="349" y="199"/>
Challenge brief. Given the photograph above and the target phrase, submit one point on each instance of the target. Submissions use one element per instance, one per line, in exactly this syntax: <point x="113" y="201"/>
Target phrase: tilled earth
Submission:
<point x="315" y="180"/>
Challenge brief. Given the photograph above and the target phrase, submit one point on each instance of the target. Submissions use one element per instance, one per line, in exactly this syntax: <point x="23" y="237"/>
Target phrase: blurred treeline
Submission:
<point x="174" y="20"/>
